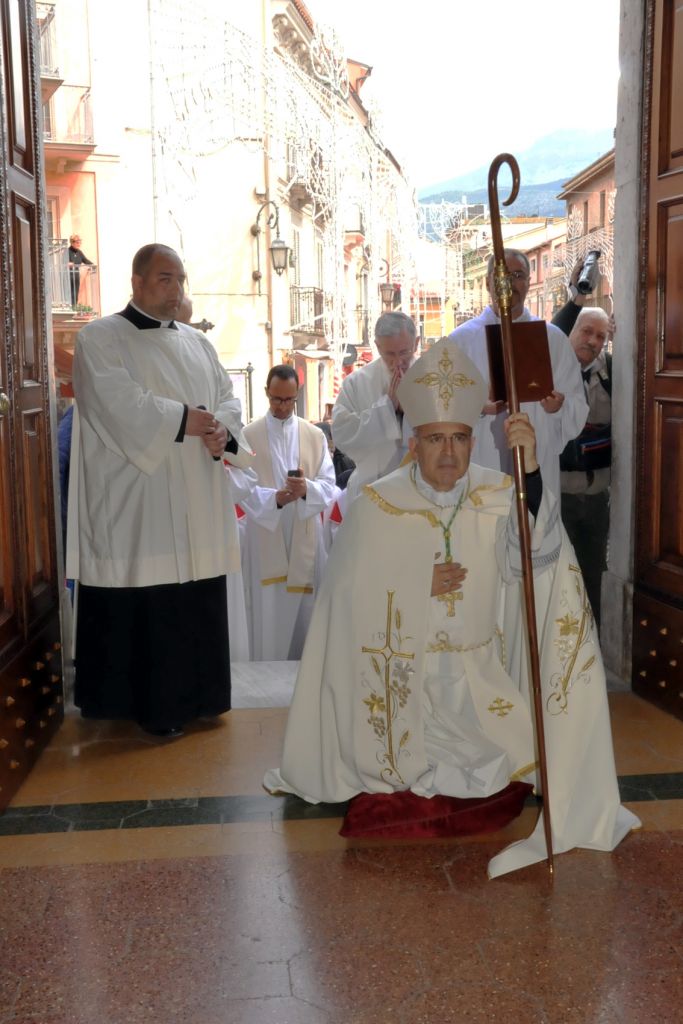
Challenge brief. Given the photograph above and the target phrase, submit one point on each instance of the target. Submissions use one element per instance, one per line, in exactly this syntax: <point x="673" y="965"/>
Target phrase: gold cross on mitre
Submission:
<point x="445" y="379"/>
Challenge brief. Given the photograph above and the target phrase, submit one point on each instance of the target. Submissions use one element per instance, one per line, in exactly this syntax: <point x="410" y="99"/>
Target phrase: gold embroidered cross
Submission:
<point x="500" y="707"/>
<point x="449" y="599"/>
<point x="446" y="380"/>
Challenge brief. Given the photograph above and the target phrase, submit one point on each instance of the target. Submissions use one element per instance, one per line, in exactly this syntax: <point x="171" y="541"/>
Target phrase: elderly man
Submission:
<point x="285" y="553"/>
<point x="585" y="462"/>
<point x="77" y="259"/>
<point x="559" y="417"/>
<point x="367" y="421"/>
<point x="149" y="538"/>
<point x="405" y="682"/>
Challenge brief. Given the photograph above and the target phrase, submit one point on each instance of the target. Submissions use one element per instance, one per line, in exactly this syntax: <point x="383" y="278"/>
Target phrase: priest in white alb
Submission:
<point x="368" y="423"/>
<point x="284" y="547"/>
<point x="151" y="532"/>
<point x="413" y="683"/>
<point x="559" y="417"/>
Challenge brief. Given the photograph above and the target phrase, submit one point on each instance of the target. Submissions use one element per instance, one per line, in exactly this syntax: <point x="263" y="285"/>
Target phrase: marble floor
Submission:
<point x="147" y="881"/>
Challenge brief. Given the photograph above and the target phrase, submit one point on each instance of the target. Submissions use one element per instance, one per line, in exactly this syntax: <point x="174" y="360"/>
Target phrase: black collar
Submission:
<point x="141" y="320"/>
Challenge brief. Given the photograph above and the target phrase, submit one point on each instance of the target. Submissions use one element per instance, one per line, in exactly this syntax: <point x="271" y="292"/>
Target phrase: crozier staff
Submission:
<point x="404" y="685"/>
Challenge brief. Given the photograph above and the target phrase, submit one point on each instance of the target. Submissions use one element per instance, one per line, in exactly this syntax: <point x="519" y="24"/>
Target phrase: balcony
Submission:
<point x="307" y="311"/>
<point x="73" y="289"/>
<point x="304" y="169"/>
<point x="67" y="125"/>
<point x="50" y="79"/>
<point x="75" y="301"/>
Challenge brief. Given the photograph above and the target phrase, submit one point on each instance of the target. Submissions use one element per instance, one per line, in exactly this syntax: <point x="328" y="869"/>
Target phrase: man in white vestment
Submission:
<point x="368" y="423"/>
<point x="414" y="672"/>
<point x="151" y="532"/>
<point x="285" y="553"/>
<point x="559" y="417"/>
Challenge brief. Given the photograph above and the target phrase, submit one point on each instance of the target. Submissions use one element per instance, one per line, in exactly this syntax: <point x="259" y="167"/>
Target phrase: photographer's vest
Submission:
<point x="592" y="449"/>
<point x="297" y="571"/>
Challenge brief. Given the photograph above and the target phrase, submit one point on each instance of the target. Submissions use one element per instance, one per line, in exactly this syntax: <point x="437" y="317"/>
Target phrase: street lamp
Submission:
<point x="386" y="288"/>
<point x="279" y="250"/>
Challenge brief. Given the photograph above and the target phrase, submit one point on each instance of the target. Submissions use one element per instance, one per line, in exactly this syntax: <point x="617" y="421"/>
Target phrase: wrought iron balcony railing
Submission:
<point x="72" y="288"/>
<point x="45" y="17"/>
<point x="307" y="310"/>
<point x="69" y="121"/>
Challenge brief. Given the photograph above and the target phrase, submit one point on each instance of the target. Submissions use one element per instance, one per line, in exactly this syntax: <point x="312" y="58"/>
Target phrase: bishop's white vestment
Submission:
<point x="400" y="690"/>
<point x="553" y="430"/>
<point x="284" y="550"/>
<point x="366" y="428"/>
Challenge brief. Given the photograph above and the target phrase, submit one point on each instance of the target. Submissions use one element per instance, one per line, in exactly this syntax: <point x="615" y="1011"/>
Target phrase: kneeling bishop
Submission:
<point x="414" y="673"/>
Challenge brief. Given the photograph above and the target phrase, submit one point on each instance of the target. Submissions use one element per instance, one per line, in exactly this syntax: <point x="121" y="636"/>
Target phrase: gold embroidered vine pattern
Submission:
<point x="394" y="672"/>
<point x="573" y="633"/>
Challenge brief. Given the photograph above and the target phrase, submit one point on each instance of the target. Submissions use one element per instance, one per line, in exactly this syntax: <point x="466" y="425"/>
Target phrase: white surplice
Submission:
<point x="553" y="430"/>
<point x="279" y="618"/>
<point x="365" y="426"/>
<point x="134" y="515"/>
<point x="398" y="690"/>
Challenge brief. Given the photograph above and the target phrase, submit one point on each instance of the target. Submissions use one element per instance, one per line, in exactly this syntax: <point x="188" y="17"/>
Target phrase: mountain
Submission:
<point x="553" y="158"/>
<point x="533" y="200"/>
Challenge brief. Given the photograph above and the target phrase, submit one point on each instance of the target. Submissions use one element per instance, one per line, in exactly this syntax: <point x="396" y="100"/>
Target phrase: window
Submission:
<point x="603" y="208"/>
<point x="545" y="260"/>
<point x="52" y="217"/>
<point x="585" y="218"/>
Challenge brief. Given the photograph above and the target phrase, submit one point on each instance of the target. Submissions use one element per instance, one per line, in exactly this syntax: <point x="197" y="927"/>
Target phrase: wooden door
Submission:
<point x="30" y="662"/>
<point x="658" y="595"/>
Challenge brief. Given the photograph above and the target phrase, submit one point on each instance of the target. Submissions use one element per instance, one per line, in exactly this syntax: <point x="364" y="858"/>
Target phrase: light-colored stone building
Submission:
<point x="224" y="135"/>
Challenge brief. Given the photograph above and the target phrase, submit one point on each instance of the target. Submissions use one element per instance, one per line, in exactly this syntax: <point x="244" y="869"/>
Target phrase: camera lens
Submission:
<point x="589" y="273"/>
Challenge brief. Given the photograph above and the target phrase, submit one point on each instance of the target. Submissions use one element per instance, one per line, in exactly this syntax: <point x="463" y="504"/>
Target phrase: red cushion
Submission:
<point x="404" y="814"/>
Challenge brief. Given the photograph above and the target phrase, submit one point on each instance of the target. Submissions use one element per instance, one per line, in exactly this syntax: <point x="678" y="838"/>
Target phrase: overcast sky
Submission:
<point x="462" y="80"/>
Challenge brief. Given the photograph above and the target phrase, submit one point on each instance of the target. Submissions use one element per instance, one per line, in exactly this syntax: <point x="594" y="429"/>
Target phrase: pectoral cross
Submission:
<point x="449" y="599"/>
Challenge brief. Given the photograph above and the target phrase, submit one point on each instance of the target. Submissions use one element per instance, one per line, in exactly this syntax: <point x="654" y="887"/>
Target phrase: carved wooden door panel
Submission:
<point x="658" y="596"/>
<point x="30" y="661"/>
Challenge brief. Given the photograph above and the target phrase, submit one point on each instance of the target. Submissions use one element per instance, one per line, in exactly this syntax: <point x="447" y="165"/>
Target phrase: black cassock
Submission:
<point x="156" y="655"/>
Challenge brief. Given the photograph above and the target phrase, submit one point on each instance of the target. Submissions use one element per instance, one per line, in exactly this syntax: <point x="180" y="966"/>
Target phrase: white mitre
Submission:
<point x="442" y="386"/>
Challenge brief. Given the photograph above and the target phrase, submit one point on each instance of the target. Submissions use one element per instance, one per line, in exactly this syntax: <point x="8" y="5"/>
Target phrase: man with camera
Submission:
<point x="585" y="462"/>
<point x="285" y="552"/>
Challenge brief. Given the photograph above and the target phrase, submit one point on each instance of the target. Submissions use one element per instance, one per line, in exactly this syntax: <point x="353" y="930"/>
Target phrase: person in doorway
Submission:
<point x="585" y="462"/>
<point x="150" y="539"/>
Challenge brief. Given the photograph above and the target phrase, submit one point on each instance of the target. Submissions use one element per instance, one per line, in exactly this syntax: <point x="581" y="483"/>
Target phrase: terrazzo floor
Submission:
<point x="150" y="881"/>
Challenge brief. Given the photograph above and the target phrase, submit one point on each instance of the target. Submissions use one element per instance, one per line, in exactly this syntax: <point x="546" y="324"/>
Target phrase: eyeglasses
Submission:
<point x="444" y="440"/>
<point x="280" y="401"/>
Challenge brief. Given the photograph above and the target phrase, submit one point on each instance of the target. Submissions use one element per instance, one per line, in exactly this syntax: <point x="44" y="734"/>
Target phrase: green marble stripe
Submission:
<point x="223" y="810"/>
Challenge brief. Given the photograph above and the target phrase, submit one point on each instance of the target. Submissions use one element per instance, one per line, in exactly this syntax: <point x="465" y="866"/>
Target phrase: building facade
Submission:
<point x="230" y="137"/>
